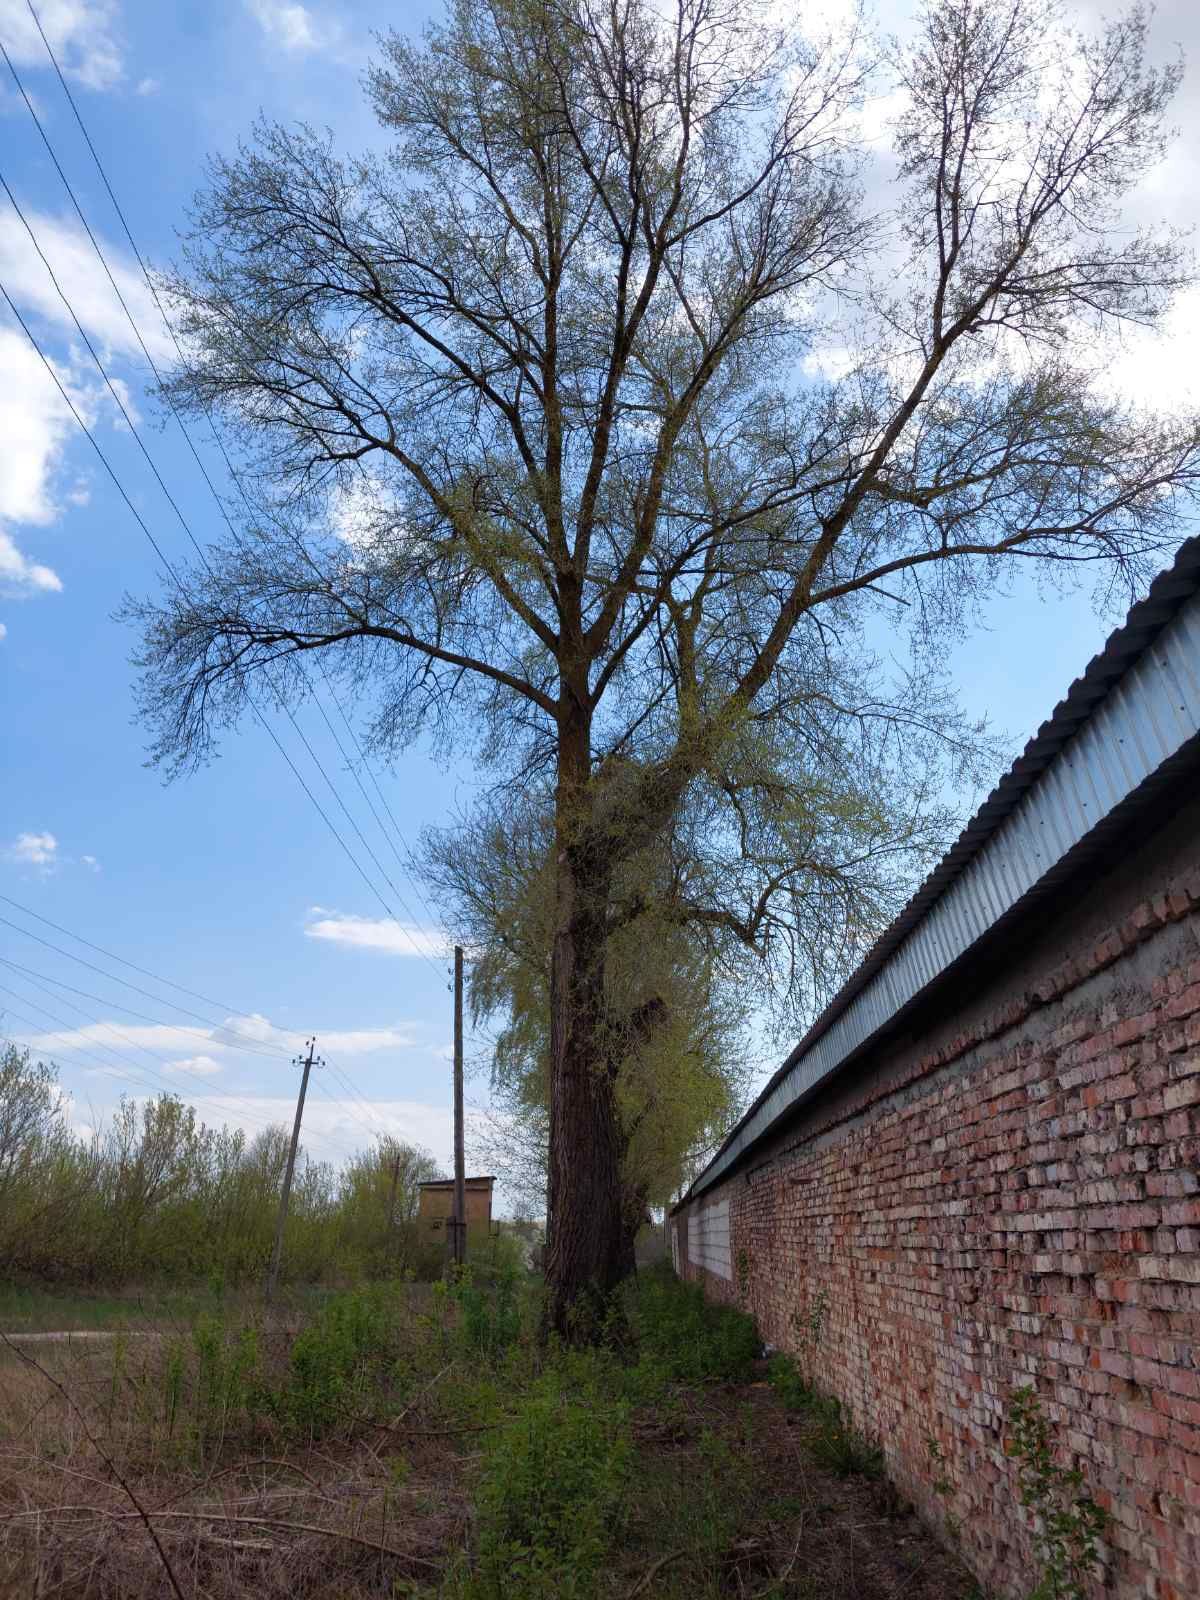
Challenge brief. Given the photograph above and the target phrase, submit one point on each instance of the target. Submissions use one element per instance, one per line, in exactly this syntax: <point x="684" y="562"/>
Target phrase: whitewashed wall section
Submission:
<point x="708" y="1238"/>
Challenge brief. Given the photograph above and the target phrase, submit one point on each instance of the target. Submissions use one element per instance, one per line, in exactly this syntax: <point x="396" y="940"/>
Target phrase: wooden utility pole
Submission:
<point x="308" y="1062"/>
<point x="392" y="1246"/>
<point x="460" y="1177"/>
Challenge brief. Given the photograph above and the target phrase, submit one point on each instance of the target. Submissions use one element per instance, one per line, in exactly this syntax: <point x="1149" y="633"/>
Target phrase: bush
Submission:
<point x="788" y="1383"/>
<point x="690" y="1340"/>
<point x="553" y="1494"/>
<point x="335" y="1361"/>
<point x="838" y="1448"/>
<point x="490" y="1315"/>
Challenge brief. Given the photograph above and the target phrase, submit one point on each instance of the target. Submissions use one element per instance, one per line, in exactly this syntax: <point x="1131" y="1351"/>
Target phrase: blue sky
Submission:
<point x="228" y="882"/>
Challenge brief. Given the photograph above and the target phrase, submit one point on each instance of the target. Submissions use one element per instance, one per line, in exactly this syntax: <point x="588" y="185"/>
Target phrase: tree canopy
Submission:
<point x="600" y="415"/>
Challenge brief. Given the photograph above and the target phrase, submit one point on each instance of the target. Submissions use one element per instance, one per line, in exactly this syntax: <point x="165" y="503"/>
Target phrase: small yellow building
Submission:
<point x="436" y="1206"/>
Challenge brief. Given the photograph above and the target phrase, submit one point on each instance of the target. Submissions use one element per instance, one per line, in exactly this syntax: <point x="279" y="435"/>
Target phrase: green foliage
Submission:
<point x="553" y="1493"/>
<point x="226" y="1383"/>
<point x="336" y="1361"/>
<point x="743" y="1274"/>
<point x="1068" y="1523"/>
<point x="836" y="1446"/>
<point x="156" y="1194"/>
<point x="787" y="1382"/>
<point x="809" y="1330"/>
<point x="839" y="1448"/>
<point x="691" y="1340"/>
<point x="490" y="1314"/>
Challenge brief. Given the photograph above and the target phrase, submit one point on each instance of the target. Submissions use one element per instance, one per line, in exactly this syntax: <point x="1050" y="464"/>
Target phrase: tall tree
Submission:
<point x="674" y="1023"/>
<point x="536" y="409"/>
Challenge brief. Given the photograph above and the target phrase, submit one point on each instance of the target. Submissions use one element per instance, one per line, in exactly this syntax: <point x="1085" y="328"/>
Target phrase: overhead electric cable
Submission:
<point x="375" y="784"/>
<point x="219" y="1005"/>
<point x="259" y="1047"/>
<point x="155" y="1022"/>
<point x="157" y="1058"/>
<point x="191" y="536"/>
<point x="253" y="1046"/>
<point x="182" y="427"/>
<point x="134" y="1073"/>
<point x="31" y="336"/>
<point x="58" y="383"/>
<point x="362" y="790"/>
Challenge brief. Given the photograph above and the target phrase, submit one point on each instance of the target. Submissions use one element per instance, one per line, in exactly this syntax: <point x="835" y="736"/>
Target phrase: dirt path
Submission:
<point x="74" y="1335"/>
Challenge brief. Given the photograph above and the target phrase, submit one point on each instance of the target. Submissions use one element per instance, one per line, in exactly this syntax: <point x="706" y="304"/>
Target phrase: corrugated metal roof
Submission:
<point x="1121" y="730"/>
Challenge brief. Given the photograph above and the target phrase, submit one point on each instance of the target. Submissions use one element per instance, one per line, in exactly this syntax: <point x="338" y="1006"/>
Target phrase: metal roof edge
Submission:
<point x="1063" y="792"/>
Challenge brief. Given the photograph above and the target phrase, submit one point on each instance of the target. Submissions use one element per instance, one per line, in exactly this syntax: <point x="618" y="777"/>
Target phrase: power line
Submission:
<point x="103" y="1000"/>
<point x="158" y="1059"/>
<point x="207" y="1000"/>
<point x="182" y="427"/>
<point x="58" y="383"/>
<point x="136" y="1074"/>
<point x="355" y="863"/>
<point x="187" y="528"/>
<point x="372" y="1132"/>
<point x="362" y="790"/>
<point x="379" y="791"/>
<point x="100" y="367"/>
<point x="253" y="1047"/>
<point x="259" y="1047"/>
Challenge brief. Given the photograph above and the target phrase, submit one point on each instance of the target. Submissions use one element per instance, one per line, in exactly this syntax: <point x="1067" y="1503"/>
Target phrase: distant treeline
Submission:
<point x="157" y="1194"/>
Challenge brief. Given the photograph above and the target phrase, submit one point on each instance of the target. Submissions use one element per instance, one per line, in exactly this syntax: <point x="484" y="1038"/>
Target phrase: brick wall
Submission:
<point x="1011" y="1194"/>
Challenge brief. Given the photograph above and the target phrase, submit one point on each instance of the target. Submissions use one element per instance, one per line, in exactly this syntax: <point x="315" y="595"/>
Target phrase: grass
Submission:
<point x="394" y="1441"/>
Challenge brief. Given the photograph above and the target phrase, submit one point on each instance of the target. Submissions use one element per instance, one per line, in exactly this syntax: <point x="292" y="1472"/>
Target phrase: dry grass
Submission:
<point x="100" y="1495"/>
<point x="85" y="1476"/>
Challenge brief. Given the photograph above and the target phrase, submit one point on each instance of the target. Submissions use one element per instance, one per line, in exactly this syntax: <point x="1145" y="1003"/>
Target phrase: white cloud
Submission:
<point x="19" y="575"/>
<point x="35" y="424"/>
<point x="293" y="27"/>
<point x="235" y="1036"/>
<point x="70" y="254"/>
<point x="90" y="861"/>
<point x="334" y="1127"/>
<point x="122" y="1036"/>
<point x="3" y="631"/>
<point x="197" y="1066"/>
<point x="1158" y="368"/>
<point x="35" y="849"/>
<point x="82" y="34"/>
<point x="376" y="933"/>
<point x="148" y="86"/>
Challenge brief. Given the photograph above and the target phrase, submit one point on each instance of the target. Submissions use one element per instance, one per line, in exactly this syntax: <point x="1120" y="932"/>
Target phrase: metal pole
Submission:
<point x="308" y="1062"/>
<point x="460" y="1177"/>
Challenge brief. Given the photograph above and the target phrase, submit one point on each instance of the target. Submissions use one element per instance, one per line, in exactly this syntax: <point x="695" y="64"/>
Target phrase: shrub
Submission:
<point x="785" y="1378"/>
<point x="226" y="1380"/>
<point x="335" y="1361"/>
<point x="839" y="1448"/>
<point x="692" y="1341"/>
<point x="553" y="1494"/>
<point x="490" y="1316"/>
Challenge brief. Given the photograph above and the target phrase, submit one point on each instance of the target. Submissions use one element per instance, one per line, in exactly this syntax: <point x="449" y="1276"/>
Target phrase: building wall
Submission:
<point x="1010" y="1194"/>
<point x="436" y="1204"/>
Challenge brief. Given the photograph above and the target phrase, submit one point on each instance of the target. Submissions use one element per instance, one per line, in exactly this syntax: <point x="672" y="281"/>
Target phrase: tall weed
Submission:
<point x="553" y="1494"/>
<point x="688" y="1339"/>
<point x="337" y="1362"/>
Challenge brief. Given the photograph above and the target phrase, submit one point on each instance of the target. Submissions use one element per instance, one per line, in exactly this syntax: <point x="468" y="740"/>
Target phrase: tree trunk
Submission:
<point x="634" y="1216"/>
<point x="584" y="1259"/>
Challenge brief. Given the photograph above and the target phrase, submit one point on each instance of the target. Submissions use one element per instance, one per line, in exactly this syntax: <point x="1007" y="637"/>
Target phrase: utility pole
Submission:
<point x="460" y="1178"/>
<point x="391" y="1244"/>
<point x="308" y="1062"/>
